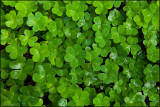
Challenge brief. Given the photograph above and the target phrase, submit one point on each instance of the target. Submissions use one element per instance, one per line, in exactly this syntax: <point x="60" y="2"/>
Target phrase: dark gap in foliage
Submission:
<point x="29" y="81"/>
<point x="28" y="55"/>
<point x="82" y="86"/>
<point x="46" y="101"/>
<point x="147" y="101"/>
<point x="40" y="40"/>
<point x="121" y="6"/>
<point x="120" y="68"/>
<point x="157" y="84"/>
<point x="104" y="59"/>
<point x="2" y="47"/>
<point x="57" y="75"/>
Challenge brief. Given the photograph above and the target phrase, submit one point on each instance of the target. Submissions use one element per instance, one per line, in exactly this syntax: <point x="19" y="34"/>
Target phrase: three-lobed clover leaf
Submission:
<point x="28" y="38"/>
<point x="58" y="8"/>
<point x="66" y="89"/>
<point x="44" y="73"/>
<point x="153" y="54"/>
<point x="101" y="23"/>
<point x="116" y="17"/>
<point x="76" y="10"/>
<point x="102" y="6"/>
<point x="110" y="73"/>
<point x="62" y="102"/>
<point x="30" y="96"/>
<point x="26" y="7"/>
<point x="16" y="50"/>
<point x="81" y="98"/>
<point x="47" y="4"/>
<point x="135" y="99"/>
<point x="101" y="100"/>
<point x="152" y="73"/>
<point x="17" y="66"/>
<point x="13" y="20"/>
<point x="74" y="54"/>
<point x="136" y="85"/>
<point x="38" y="21"/>
<point x="150" y="36"/>
<point x="39" y="52"/>
<point x="10" y="97"/>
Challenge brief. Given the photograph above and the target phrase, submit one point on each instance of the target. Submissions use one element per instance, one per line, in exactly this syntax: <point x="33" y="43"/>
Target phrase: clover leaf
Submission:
<point x="46" y="4"/>
<point x="67" y="90"/>
<point x="73" y="55"/>
<point x="152" y="73"/>
<point x="26" y="7"/>
<point x="101" y="23"/>
<point x="110" y="74"/>
<point x="81" y="98"/>
<point x="39" y="52"/>
<point x="13" y="20"/>
<point x="153" y="54"/>
<point x="38" y="21"/>
<point x="77" y="75"/>
<point x="86" y="22"/>
<point x="101" y="39"/>
<point x="18" y="72"/>
<point x="75" y="10"/>
<point x="116" y="17"/>
<point x="10" y="97"/>
<point x="28" y="38"/>
<point x="101" y="100"/>
<point x="30" y="96"/>
<point x="136" y="85"/>
<point x="130" y="26"/>
<point x="102" y="6"/>
<point x="150" y="36"/>
<point x="58" y="8"/>
<point x="62" y="102"/>
<point x="117" y="38"/>
<point x="16" y="50"/>
<point x="44" y="73"/>
<point x="135" y="99"/>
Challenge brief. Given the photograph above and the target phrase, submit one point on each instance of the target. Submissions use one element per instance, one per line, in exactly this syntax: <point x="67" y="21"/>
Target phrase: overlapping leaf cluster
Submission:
<point x="80" y="53"/>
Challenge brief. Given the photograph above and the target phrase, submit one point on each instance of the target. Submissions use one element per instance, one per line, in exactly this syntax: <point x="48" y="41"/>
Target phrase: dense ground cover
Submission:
<point x="80" y="53"/>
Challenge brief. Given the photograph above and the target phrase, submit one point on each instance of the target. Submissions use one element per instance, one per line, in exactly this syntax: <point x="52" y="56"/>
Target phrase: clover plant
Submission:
<point x="80" y="53"/>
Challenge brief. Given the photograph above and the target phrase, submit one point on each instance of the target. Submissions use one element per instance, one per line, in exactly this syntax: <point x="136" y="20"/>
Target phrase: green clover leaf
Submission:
<point x="16" y="50"/>
<point x="46" y="4"/>
<point x="81" y="98"/>
<point x="130" y="26"/>
<point x="75" y="10"/>
<point x="116" y="17"/>
<point x="135" y="99"/>
<point x="44" y="73"/>
<point x="38" y="21"/>
<point x="110" y="74"/>
<point x="101" y="100"/>
<point x="28" y="38"/>
<point x="26" y="7"/>
<point x="13" y="20"/>
<point x="73" y="55"/>
<point x="30" y="96"/>
<point x="136" y="85"/>
<point x="58" y="8"/>
<point x="102" y="6"/>
<point x="101" y="23"/>
<point x="39" y="52"/>
<point x="67" y="90"/>
<point x="153" y="54"/>
<point x="10" y="97"/>
<point x="18" y="72"/>
<point x="152" y="73"/>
